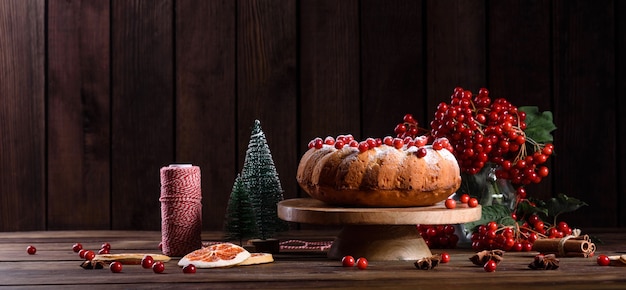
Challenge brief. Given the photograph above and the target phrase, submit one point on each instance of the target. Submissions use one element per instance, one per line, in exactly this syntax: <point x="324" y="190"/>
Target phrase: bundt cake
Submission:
<point x="378" y="173"/>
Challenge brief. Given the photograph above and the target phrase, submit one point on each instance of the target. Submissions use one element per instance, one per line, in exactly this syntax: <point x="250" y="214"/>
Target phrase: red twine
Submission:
<point x="181" y="209"/>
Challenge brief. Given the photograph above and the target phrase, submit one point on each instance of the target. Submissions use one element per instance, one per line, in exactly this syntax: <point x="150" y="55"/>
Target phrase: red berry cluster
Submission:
<point x="438" y="236"/>
<point x="492" y="236"/>
<point x="480" y="131"/>
<point x="534" y="224"/>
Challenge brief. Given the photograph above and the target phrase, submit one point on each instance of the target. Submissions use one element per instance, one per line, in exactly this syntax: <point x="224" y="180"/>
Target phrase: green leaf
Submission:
<point x="532" y="206"/>
<point x="496" y="212"/>
<point x="562" y="203"/>
<point x="539" y="125"/>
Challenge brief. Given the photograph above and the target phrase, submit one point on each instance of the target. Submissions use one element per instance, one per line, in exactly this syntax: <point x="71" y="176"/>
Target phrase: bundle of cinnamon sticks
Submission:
<point x="570" y="246"/>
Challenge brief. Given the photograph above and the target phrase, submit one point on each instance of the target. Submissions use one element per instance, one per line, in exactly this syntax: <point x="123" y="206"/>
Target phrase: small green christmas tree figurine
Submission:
<point x="239" y="223"/>
<point x="261" y="180"/>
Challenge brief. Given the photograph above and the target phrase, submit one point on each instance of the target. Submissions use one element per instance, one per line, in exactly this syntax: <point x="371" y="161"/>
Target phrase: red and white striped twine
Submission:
<point x="306" y="245"/>
<point x="293" y="245"/>
<point x="181" y="209"/>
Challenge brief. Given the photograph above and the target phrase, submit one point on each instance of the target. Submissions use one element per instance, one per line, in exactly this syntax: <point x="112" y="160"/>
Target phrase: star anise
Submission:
<point x="428" y="263"/>
<point x="483" y="257"/>
<point x="544" y="262"/>
<point x="90" y="265"/>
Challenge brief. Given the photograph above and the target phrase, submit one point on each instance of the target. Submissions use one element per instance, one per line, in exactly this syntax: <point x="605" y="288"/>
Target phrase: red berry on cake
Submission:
<point x="339" y="144"/>
<point x="437" y="145"/>
<point x="336" y="175"/>
<point x="398" y="143"/>
<point x="363" y="146"/>
<point x="420" y="141"/>
<point x="388" y="141"/>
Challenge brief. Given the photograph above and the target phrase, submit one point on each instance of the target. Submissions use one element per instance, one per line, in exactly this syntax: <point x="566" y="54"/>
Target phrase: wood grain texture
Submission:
<point x="456" y="49"/>
<point x="393" y="66"/>
<point x="266" y="82"/>
<point x="55" y="264"/>
<point x="309" y="210"/>
<point x="205" y="100"/>
<point x="523" y="44"/>
<point x="585" y="84"/>
<point x="142" y="109"/>
<point x="330" y="102"/>
<point x="78" y="115"/>
<point x="22" y="116"/>
<point x="380" y="243"/>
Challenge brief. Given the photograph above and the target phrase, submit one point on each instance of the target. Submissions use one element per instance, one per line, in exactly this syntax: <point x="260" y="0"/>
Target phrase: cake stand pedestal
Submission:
<point x="378" y="234"/>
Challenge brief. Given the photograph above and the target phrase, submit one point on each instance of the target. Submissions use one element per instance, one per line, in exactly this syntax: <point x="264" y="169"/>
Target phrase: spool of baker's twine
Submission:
<point x="181" y="209"/>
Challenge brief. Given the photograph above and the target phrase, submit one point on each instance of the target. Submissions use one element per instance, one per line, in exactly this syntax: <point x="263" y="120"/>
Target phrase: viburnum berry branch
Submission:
<point x="483" y="131"/>
<point x="515" y="143"/>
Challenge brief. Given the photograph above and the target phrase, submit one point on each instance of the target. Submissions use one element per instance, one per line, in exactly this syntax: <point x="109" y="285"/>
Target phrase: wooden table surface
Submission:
<point x="55" y="266"/>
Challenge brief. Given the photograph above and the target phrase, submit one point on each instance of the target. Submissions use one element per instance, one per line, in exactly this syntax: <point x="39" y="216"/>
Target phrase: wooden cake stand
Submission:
<point x="376" y="233"/>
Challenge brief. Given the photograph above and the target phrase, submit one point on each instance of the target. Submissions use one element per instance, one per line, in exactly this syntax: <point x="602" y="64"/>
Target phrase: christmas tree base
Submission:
<point x="271" y="246"/>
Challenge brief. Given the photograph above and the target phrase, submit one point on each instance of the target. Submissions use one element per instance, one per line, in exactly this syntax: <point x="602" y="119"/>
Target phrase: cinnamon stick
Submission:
<point x="566" y="247"/>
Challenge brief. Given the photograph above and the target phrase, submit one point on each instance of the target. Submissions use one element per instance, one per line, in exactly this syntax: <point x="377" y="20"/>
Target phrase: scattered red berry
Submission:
<point x="361" y="263"/>
<point x="115" y="267"/>
<point x="464" y="198"/>
<point x="189" y="269"/>
<point x="103" y="251"/>
<point x="77" y="247"/>
<point x="490" y="266"/>
<point x="472" y="202"/>
<point x="158" y="267"/>
<point x="31" y="250"/>
<point x="106" y="246"/>
<point x="82" y="253"/>
<point x="147" y="261"/>
<point x="347" y="261"/>
<point x="450" y="203"/>
<point x="89" y="255"/>
<point x="445" y="257"/>
<point x="603" y="260"/>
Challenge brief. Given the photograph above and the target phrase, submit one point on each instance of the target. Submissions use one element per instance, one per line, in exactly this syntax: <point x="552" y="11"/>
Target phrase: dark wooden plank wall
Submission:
<point x="78" y="115"/>
<point x="22" y="115"/>
<point x="96" y="96"/>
